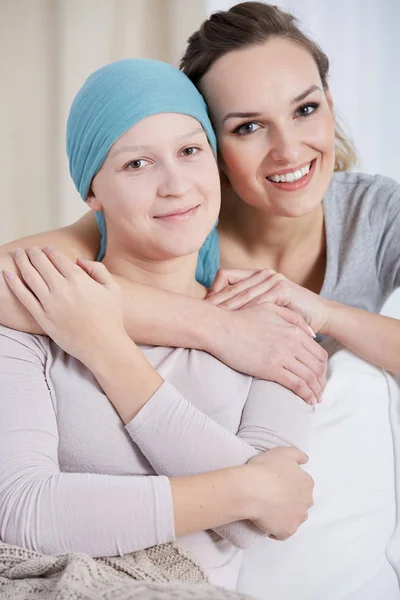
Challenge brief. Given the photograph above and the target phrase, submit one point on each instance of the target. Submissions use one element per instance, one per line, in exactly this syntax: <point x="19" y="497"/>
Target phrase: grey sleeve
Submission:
<point x="385" y="223"/>
<point x="51" y="512"/>
<point x="178" y="439"/>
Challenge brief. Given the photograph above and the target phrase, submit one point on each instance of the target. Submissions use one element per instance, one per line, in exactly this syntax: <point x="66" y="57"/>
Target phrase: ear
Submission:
<point x="92" y="201"/>
<point x="329" y="98"/>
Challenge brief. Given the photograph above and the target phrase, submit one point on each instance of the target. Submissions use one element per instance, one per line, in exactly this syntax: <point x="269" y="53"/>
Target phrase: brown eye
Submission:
<point x="137" y="164"/>
<point x="190" y="151"/>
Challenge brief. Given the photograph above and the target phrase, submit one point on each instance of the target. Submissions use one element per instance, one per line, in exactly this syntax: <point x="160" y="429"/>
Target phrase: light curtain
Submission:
<point x="47" y="49"/>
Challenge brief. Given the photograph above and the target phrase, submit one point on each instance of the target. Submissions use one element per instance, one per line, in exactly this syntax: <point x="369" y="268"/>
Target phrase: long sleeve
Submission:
<point x="52" y="512"/>
<point x="178" y="439"/>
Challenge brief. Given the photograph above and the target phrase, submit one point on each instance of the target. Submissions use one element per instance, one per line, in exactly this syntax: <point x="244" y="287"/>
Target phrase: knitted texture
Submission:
<point x="165" y="572"/>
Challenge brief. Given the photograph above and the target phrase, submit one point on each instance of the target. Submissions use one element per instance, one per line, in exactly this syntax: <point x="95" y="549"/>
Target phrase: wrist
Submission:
<point x="216" y="335"/>
<point x="330" y="314"/>
<point x="246" y="504"/>
<point x="126" y="377"/>
<point x="206" y="330"/>
<point x="107" y="353"/>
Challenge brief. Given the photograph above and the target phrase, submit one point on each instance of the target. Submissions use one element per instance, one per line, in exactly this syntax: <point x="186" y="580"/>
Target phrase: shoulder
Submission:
<point x="355" y="185"/>
<point x="361" y="195"/>
<point x="25" y="346"/>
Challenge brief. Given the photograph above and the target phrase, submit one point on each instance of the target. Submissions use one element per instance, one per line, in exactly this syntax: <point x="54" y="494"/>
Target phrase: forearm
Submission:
<point x="177" y="439"/>
<point x="101" y="515"/>
<point x="161" y="318"/>
<point x="107" y="515"/>
<point x="372" y="336"/>
<point x="125" y="375"/>
<point x="210" y="500"/>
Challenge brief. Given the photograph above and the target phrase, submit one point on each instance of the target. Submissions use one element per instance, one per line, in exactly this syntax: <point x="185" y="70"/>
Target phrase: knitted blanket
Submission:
<point x="165" y="572"/>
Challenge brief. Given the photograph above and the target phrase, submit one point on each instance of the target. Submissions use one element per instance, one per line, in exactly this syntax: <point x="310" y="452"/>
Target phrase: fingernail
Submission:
<point x="312" y="331"/>
<point x="9" y="274"/>
<point x="18" y="251"/>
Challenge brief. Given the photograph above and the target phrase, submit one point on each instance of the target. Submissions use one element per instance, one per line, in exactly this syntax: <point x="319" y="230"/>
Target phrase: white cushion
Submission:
<point x="350" y="546"/>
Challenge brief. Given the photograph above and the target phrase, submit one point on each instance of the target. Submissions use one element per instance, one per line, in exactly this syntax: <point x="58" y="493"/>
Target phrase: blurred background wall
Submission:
<point x="49" y="47"/>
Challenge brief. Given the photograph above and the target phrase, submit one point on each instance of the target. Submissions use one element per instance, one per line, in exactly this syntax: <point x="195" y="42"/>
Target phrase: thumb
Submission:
<point x="96" y="270"/>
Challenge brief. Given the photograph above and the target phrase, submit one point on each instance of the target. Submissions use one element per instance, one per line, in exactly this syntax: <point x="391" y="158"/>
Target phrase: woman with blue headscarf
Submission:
<point x="109" y="447"/>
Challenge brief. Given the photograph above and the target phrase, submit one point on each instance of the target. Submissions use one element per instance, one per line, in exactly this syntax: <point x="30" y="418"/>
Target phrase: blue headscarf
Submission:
<point x="111" y="101"/>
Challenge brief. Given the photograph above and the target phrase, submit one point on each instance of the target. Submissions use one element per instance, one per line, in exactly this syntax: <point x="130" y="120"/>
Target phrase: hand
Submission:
<point x="282" y="492"/>
<point x="77" y="305"/>
<point x="267" y="342"/>
<point x="235" y="289"/>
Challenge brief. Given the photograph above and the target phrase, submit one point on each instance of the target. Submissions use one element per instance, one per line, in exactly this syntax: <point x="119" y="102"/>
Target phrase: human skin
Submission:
<point x="268" y="342"/>
<point x="80" y="307"/>
<point x="275" y="230"/>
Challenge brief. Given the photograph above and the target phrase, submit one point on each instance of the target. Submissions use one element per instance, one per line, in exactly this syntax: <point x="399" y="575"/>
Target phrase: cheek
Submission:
<point x="324" y="134"/>
<point x="239" y="160"/>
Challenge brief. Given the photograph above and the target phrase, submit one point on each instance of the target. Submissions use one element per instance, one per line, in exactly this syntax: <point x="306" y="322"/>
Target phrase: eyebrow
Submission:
<point x="310" y="90"/>
<point x="241" y="115"/>
<point x="254" y="115"/>
<point x="146" y="147"/>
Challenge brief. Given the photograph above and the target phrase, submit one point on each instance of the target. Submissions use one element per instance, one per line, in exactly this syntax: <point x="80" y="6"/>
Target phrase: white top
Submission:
<point x="74" y="479"/>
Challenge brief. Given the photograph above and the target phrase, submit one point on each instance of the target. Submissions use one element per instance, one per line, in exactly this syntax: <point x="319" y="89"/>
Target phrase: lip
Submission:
<point x="296" y="185"/>
<point x="179" y="214"/>
<point x="293" y="170"/>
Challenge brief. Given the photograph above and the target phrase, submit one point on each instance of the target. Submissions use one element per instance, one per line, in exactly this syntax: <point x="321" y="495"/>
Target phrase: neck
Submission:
<point x="174" y="275"/>
<point x="268" y="237"/>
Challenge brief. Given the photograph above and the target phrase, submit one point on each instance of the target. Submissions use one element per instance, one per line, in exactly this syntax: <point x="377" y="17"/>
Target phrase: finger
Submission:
<point x="316" y="366"/>
<point x="297" y="385"/>
<point x="243" y="286"/>
<point x="61" y="263"/>
<point x="307" y="375"/>
<point x="227" y="277"/>
<point x="291" y="317"/>
<point x="24" y="295"/>
<point x="316" y="350"/>
<point x="294" y="319"/>
<point x="30" y="274"/>
<point x="96" y="270"/>
<point x="257" y="293"/>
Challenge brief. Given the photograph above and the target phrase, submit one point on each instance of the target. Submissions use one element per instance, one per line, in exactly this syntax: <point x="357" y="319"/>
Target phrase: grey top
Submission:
<point x="362" y="223"/>
<point x="74" y="479"/>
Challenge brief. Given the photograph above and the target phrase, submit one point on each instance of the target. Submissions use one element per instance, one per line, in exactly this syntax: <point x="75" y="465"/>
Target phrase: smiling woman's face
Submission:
<point x="274" y="124"/>
<point x="159" y="188"/>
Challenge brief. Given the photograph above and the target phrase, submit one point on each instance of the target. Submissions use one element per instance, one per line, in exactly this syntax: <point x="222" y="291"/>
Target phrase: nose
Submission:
<point x="173" y="181"/>
<point x="285" y="144"/>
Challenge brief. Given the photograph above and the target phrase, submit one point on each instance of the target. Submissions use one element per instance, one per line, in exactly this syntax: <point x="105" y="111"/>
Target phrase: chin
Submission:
<point x="180" y="248"/>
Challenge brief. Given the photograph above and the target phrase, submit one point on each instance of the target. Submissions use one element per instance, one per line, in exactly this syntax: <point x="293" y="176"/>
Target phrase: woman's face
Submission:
<point x="274" y="124"/>
<point x="159" y="188"/>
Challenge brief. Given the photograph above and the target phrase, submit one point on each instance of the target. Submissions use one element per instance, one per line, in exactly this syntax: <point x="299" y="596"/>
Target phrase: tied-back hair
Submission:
<point x="254" y="23"/>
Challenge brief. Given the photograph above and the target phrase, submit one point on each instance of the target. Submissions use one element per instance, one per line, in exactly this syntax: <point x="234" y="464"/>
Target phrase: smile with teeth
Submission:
<point x="292" y="176"/>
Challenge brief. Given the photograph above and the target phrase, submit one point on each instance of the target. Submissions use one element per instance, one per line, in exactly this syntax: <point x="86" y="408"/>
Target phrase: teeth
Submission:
<point x="290" y="177"/>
